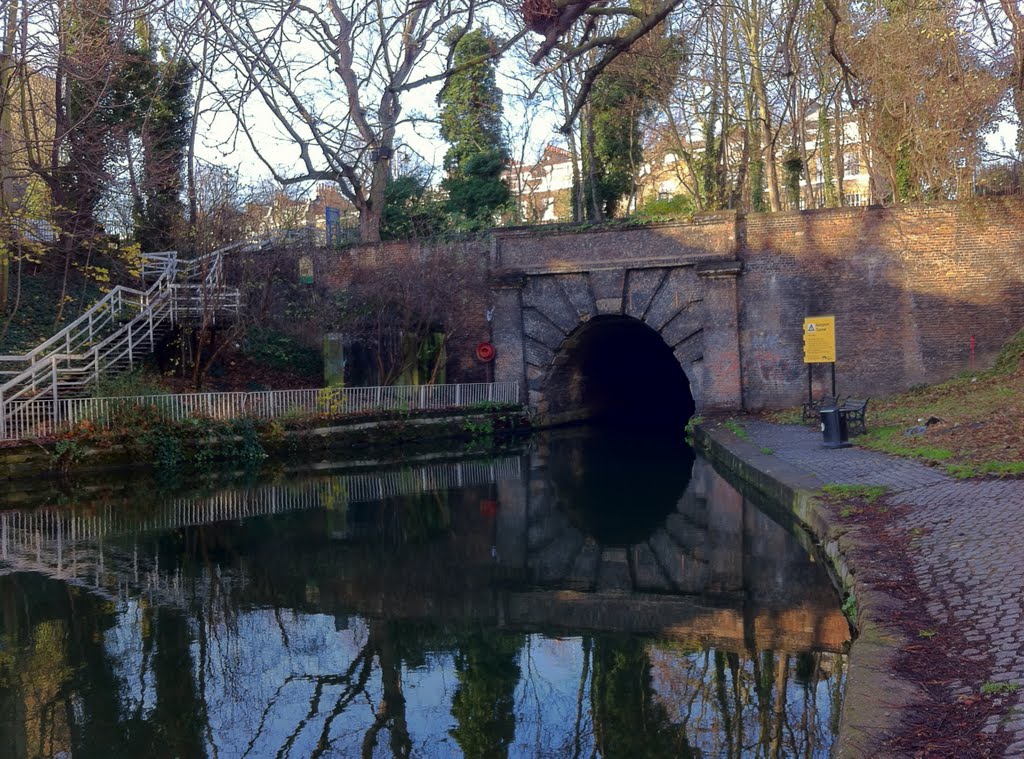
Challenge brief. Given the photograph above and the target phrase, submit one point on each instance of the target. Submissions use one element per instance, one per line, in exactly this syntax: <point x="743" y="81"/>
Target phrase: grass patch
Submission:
<point x="767" y="451"/>
<point x="926" y="634"/>
<point x="737" y="429"/>
<point x="999" y="689"/>
<point x="786" y="416"/>
<point x="868" y="493"/>
<point x="986" y="469"/>
<point x="892" y="440"/>
<point x="1011" y="357"/>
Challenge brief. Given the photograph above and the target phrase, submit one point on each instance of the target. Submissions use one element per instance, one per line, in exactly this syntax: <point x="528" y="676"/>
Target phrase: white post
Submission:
<point x="53" y="379"/>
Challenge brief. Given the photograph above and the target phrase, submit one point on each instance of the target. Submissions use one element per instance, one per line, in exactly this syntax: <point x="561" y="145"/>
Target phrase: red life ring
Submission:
<point x="485" y="352"/>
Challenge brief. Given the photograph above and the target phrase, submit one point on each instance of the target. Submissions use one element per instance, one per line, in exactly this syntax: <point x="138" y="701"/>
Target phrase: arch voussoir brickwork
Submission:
<point x="558" y="307"/>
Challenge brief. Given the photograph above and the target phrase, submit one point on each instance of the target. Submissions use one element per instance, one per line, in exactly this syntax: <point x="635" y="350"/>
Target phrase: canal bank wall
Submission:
<point x="875" y="698"/>
<point x="355" y="438"/>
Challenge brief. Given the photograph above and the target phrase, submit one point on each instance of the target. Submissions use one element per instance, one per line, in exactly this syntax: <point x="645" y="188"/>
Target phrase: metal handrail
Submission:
<point x="106" y="303"/>
<point x="57" y="363"/>
<point x="39" y="417"/>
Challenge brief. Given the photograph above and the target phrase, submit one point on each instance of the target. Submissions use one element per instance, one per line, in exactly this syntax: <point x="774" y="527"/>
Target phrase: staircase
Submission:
<point x="121" y="328"/>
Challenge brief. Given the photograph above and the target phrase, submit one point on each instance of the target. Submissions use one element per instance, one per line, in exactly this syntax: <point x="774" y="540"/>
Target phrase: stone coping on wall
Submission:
<point x="351" y="439"/>
<point x="874" y="697"/>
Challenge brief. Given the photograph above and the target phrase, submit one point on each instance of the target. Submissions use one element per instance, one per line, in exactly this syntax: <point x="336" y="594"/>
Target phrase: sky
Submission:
<point x="422" y="138"/>
<point x="531" y="128"/>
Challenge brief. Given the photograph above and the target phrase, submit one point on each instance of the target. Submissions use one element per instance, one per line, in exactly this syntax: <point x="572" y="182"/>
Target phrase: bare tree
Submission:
<point x="332" y="81"/>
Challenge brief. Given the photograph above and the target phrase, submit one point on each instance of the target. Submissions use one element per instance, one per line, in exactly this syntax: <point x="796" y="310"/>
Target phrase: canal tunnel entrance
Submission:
<point x="618" y="371"/>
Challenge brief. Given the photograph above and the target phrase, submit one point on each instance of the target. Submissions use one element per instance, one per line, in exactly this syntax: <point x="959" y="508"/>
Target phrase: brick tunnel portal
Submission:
<point x="618" y="371"/>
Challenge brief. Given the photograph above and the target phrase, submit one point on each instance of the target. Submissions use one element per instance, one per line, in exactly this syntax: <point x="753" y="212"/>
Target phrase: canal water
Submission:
<point x="592" y="597"/>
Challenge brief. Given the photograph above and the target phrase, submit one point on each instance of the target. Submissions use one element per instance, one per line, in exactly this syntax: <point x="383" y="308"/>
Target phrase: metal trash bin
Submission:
<point x="833" y="427"/>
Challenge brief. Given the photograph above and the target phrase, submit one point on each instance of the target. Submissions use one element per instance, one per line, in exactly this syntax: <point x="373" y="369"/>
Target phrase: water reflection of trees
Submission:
<point x="483" y="706"/>
<point x="194" y="683"/>
<point x="259" y="657"/>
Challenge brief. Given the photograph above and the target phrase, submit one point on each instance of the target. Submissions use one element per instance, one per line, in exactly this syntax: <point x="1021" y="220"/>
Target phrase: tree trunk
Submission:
<point x="7" y="71"/>
<point x="1012" y="10"/>
<point x="752" y="24"/>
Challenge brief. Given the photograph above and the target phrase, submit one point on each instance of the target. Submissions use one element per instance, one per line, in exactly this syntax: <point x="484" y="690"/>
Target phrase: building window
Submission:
<point x="851" y="163"/>
<point x="663" y="195"/>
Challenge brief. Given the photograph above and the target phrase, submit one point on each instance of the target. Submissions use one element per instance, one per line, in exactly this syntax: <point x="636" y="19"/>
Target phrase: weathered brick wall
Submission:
<point x="274" y="296"/>
<point x="908" y="287"/>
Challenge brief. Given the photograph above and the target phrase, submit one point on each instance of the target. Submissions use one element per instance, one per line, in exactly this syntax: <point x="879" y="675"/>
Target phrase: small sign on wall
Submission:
<point x="819" y="340"/>
<point x="306" y="270"/>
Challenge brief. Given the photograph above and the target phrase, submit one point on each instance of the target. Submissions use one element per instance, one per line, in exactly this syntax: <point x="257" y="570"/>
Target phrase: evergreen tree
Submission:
<point x="153" y="103"/>
<point x="471" y="121"/>
<point x="622" y="99"/>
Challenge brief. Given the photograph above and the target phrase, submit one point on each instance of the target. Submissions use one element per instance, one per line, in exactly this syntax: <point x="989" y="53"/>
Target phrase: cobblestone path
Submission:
<point x="971" y="559"/>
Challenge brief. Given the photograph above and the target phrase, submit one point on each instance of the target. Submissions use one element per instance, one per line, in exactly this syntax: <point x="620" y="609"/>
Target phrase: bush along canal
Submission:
<point x="143" y="439"/>
<point x="588" y="596"/>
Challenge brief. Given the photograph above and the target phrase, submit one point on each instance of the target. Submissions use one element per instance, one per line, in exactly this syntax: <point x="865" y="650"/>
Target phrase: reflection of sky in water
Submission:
<point x="265" y="695"/>
<point x="124" y="644"/>
<point x="546" y="698"/>
<point x="363" y="609"/>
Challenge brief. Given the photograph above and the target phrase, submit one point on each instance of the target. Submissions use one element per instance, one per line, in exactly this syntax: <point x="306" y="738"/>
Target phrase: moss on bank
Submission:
<point x="146" y="442"/>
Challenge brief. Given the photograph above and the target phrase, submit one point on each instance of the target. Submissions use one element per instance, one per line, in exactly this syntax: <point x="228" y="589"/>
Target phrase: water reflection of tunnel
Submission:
<point x="617" y="370"/>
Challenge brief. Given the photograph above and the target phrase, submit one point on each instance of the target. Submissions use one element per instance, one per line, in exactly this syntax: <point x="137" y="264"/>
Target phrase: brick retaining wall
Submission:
<point x="908" y="286"/>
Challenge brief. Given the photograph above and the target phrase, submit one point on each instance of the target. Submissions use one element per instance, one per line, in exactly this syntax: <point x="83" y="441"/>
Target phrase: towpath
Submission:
<point x="938" y="573"/>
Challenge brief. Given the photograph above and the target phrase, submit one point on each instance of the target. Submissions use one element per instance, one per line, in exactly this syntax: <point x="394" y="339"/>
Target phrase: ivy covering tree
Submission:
<point x="622" y="98"/>
<point x="154" y="106"/>
<point x="471" y="121"/>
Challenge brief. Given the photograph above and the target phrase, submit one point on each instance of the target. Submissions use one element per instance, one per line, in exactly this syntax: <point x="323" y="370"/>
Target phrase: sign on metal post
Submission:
<point x="819" y="340"/>
<point x="306" y="270"/>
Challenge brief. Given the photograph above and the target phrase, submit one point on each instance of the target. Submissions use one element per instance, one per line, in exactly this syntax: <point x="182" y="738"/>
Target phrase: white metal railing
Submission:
<point x="109" y="336"/>
<point x="43" y="417"/>
<point x="98" y="548"/>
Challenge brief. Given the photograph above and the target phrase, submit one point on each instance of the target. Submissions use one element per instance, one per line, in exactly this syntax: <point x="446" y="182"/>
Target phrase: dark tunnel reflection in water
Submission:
<point x="618" y="487"/>
<point x="441" y="610"/>
<point x="621" y="372"/>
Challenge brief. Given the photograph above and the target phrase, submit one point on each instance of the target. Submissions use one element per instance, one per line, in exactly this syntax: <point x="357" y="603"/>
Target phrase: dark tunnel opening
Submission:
<point x="617" y="371"/>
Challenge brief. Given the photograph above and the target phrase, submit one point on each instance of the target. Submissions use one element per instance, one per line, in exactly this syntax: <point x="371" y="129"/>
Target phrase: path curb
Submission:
<point x="875" y="696"/>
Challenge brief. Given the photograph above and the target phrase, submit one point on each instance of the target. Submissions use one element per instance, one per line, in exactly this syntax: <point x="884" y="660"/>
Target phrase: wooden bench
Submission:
<point x="855" y="409"/>
<point x="809" y="411"/>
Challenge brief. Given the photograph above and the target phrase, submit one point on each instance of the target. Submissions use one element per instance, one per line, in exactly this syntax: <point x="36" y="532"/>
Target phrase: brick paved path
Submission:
<point x="971" y="559"/>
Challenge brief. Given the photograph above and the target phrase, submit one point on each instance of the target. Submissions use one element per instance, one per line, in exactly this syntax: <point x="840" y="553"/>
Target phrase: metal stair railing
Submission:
<point x="101" y="342"/>
<point x="97" y="320"/>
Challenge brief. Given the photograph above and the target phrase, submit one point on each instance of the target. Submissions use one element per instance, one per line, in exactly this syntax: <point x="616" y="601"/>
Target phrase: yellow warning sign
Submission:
<point x="819" y="339"/>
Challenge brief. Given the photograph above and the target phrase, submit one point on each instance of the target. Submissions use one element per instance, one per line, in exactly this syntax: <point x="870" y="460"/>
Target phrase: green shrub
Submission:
<point x="656" y="209"/>
<point x="281" y="351"/>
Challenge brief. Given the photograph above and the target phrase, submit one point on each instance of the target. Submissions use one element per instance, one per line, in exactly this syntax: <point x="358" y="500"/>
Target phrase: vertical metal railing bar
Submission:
<point x="85" y="351"/>
<point x="34" y="418"/>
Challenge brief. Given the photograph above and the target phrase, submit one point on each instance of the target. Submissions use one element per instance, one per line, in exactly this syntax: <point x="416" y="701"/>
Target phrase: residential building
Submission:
<point x="328" y="218"/>
<point x="543" y="190"/>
